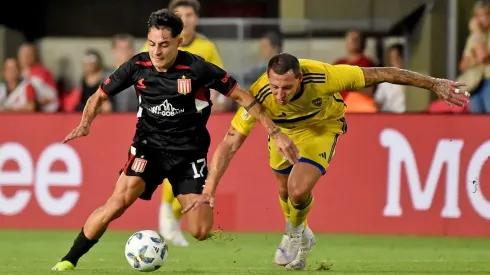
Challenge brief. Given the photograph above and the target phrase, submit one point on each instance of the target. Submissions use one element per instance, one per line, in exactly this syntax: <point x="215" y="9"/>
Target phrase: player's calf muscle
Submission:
<point x="127" y="190"/>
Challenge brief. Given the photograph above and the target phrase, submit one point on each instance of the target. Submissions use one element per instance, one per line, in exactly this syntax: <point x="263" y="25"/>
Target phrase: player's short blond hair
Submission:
<point x="194" y="4"/>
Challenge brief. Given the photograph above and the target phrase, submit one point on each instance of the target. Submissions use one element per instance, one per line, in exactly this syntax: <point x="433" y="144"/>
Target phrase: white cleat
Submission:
<point x="294" y="241"/>
<point x="178" y="238"/>
<point x="283" y="254"/>
<point x="308" y="240"/>
<point x="170" y="227"/>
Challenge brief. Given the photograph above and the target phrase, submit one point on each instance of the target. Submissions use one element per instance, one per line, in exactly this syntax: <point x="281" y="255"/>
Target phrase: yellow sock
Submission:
<point x="168" y="197"/>
<point x="299" y="213"/>
<point x="177" y="209"/>
<point x="285" y="207"/>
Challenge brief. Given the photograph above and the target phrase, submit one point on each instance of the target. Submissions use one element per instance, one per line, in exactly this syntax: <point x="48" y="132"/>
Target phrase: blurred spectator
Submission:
<point x="269" y="45"/>
<point x="391" y="97"/>
<point x="16" y="94"/>
<point x="123" y="50"/>
<point x="475" y="63"/>
<point x="93" y="75"/>
<point x="40" y="77"/>
<point x="355" y="44"/>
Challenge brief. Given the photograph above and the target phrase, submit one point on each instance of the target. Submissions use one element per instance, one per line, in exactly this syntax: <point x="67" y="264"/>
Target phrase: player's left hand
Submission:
<point x="449" y="91"/>
<point x="286" y="147"/>
<point x="204" y="198"/>
<point x="80" y="131"/>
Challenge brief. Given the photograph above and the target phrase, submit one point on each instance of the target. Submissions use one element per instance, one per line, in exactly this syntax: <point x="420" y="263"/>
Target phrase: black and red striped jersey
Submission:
<point x="174" y="106"/>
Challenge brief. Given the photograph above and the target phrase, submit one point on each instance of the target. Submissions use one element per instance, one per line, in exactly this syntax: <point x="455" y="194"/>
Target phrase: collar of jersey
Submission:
<point x="300" y="93"/>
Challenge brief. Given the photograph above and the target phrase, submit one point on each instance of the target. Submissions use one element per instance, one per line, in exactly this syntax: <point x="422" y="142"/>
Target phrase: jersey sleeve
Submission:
<point x="243" y="122"/>
<point x="213" y="77"/>
<point x="119" y="80"/>
<point x="343" y="78"/>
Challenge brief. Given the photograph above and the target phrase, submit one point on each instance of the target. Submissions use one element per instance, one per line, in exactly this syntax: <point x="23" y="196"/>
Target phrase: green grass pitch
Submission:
<point x="35" y="252"/>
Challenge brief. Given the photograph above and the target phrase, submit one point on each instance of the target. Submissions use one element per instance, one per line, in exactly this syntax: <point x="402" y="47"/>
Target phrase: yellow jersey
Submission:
<point x="317" y="101"/>
<point x="201" y="46"/>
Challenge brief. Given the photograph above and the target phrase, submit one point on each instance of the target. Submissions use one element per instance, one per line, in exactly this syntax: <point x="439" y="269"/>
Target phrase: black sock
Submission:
<point x="81" y="245"/>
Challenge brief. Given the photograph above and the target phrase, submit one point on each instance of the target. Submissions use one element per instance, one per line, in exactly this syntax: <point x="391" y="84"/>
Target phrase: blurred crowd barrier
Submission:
<point x="236" y="39"/>
<point x="404" y="182"/>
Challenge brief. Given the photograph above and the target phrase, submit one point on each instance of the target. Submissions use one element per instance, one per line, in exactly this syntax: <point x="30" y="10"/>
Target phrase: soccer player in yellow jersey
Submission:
<point x="170" y="208"/>
<point x="301" y="97"/>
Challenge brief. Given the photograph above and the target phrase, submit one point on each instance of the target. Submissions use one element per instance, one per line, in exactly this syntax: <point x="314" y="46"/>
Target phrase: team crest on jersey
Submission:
<point x="184" y="85"/>
<point x="317" y="102"/>
<point x="139" y="165"/>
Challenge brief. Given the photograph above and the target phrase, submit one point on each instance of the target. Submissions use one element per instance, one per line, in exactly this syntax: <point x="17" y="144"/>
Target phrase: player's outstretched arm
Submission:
<point x="283" y="143"/>
<point x="91" y="110"/>
<point x="222" y="157"/>
<point x="253" y="107"/>
<point x="445" y="89"/>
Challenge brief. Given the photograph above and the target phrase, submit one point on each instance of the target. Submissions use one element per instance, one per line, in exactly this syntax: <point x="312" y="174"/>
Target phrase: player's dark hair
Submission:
<point x="122" y="36"/>
<point x="283" y="63"/>
<point x="275" y="40"/>
<point x="194" y="4"/>
<point x="164" y="19"/>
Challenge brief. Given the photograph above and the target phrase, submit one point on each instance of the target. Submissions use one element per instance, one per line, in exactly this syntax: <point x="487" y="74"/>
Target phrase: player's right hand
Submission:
<point x="79" y="131"/>
<point x="286" y="147"/>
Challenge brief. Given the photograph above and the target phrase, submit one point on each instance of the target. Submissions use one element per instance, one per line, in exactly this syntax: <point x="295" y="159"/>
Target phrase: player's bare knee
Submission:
<point x="200" y="232"/>
<point x="297" y="194"/>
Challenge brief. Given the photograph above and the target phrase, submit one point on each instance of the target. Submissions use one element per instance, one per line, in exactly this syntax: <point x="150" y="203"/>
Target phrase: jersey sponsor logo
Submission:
<point x="140" y="84"/>
<point x="317" y="102"/>
<point x="139" y="165"/>
<point x="184" y="85"/>
<point x="245" y="115"/>
<point x="225" y="78"/>
<point x="165" y="109"/>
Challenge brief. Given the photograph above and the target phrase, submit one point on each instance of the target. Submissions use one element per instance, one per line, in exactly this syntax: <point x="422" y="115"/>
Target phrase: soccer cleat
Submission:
<point x="291" y="248"/>
<point x="282" y="256"/>
<point x="178" y="238"/>
<point x="170" y="227"/>
<point x="63" y="266"/>
<point x="308" y="240"/>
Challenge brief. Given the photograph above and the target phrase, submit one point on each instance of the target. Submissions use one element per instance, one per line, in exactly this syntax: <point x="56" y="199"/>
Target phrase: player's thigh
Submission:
<point x="319" y="150"/>
<point x="145" y="164"/>
<point x="200" y="220"/>
<point x="188" y="178"/>
<point x="316" y="153"/>
<point x="277" y="162"/>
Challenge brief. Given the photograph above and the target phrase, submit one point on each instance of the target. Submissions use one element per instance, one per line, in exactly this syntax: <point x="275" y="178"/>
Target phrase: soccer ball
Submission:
<point x="146" y="251"/>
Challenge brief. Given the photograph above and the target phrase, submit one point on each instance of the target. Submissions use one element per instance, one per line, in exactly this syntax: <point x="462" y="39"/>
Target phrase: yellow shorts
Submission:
<point x="316" y="146"/>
